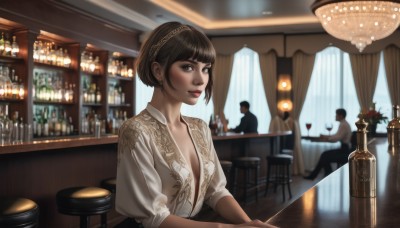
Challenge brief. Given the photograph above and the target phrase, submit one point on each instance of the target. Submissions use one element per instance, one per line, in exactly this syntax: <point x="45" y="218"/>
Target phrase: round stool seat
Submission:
<point x="84" y="200"/>
<point x="280" y="159"/>
<point x="109" y="184"/>
<point x="18" y="212"/>
<point x="226" y="165"/>
<point x="247" y="162"/>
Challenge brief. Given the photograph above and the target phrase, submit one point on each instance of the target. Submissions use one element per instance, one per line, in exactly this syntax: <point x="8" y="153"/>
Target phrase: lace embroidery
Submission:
<point x="145" y="124"/>
<point x="199" y="131"/>
<point x="175" y="162"/>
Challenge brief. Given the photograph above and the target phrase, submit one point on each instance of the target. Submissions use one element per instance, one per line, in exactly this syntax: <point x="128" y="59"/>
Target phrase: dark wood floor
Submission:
<point x="267" y="206"/>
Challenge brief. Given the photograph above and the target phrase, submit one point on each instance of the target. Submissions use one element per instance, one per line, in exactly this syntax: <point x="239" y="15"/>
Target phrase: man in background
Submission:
<point x="339" y="155"/>
<point x="248" y="123"/>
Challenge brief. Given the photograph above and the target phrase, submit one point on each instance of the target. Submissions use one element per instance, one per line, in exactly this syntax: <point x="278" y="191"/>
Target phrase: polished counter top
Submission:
<point x="48" y="144"/>
<point x="329" y="204"/>
<point x="79" y="141"/>
<point x="232" y="135"/>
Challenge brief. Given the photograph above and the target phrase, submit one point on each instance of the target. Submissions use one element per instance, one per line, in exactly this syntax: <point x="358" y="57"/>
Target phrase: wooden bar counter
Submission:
<point x="329" y="204"/>
<point x="38" y="170"/>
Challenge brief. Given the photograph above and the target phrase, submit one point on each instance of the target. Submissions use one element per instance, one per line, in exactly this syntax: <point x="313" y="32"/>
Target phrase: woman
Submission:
<point x="167" y="164"/>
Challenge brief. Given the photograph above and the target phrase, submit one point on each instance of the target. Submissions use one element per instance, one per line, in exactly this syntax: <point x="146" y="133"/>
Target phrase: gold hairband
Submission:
<point x="156" y="48"/>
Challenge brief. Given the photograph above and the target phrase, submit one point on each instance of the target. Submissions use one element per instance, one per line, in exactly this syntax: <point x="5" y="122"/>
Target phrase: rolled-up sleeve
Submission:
<point x="138" y="190"/>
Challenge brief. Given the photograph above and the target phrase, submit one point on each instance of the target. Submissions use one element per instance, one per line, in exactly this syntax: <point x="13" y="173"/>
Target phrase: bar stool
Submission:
<point x="18" y="212"/>
<point x="278" y="172"/>
<point x="84" y="202"/>
<point x="109" y="184"/>
<point x="227" y="167"/>
<point x="247" y="164"/>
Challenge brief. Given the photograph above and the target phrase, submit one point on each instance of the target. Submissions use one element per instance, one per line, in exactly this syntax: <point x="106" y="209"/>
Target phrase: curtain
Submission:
<point x="391" y="56"/>
<point x="331" y="87"/>
<point x="302" y="68"/>
<point x="365" y="66"/>
<point x="246" y="84"/>
<point x="222" y="77"/>
<point x="268" y="71"/>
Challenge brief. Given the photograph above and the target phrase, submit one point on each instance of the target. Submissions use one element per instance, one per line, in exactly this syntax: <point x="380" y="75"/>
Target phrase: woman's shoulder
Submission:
<point x="136" y="123"/>
<point x="196" y="122"/>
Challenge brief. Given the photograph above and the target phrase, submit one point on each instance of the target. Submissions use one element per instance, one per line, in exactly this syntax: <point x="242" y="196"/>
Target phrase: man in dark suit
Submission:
<point x="248" y="123"/>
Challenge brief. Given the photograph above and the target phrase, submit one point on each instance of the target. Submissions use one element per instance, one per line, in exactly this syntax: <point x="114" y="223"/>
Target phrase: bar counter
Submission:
<point x="38" y="170"/>
<point x="329" y="204"/>
<point x="51" y="144"/>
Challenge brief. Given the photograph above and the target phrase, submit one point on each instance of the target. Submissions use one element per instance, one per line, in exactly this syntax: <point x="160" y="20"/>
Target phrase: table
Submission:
<point x="274" y="139"/>
<point x="329" y="204"/>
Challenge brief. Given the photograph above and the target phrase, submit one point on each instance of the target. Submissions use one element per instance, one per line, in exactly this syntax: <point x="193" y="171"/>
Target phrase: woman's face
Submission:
<point x="189" y="79"/>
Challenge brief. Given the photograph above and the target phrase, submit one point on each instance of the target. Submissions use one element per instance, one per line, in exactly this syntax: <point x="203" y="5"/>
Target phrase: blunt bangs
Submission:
<point x="188" y="45"/>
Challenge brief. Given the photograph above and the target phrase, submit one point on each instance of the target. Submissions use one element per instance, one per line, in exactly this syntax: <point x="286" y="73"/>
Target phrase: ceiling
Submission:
<point x="214" y="17"/>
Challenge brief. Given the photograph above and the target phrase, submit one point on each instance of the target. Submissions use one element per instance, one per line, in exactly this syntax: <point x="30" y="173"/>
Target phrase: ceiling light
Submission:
<point x="359" y="22"/>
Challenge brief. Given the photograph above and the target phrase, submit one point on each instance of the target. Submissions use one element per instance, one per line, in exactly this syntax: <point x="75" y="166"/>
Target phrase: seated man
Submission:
<point x="341" y="154"/>
<point x="248" y="123"/>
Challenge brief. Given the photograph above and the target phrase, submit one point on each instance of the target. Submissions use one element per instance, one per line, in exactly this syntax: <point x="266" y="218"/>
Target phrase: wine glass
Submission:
<point x="308" y="126"/>
<point x="329" y="127"/>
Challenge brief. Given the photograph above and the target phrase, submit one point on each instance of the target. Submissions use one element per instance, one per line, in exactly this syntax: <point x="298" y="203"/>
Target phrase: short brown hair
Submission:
<point x="188" y="43"/>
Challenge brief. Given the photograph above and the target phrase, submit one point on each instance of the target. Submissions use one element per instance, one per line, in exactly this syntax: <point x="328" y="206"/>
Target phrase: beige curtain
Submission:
<point x="391" y="56"/>
<point x="365" y="66"/>
<point x="268" y="71"/>
<point x="222" y="77"/>
<point x="303" y="65"/>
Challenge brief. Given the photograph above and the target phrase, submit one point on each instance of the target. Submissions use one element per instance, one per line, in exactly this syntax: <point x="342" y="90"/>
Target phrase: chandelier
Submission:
<point x="359" y="22"/>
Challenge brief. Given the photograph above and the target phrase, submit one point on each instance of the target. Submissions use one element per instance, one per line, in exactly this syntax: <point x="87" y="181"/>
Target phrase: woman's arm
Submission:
<point x="178" y="222"/>
<point x="230" y="209"/>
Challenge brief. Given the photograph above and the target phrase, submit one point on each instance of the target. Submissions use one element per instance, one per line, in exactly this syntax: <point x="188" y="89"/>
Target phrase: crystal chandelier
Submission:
<point x="359" y="22"/>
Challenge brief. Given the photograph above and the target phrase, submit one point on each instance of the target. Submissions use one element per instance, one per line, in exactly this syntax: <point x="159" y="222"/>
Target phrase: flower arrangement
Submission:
<point x="373" y="117"/>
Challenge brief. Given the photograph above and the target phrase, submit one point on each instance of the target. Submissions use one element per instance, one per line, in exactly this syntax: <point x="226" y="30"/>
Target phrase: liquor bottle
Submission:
<point x="362" y="166"/>
<point x="98" y="95"/>
<point x="7" y="47"/>
<point x="393" y="129"/>
<point x="6" y="127"/>
<point x="97" y="127"/>
<point x="2" y="42"/>
<point x="45" y="131"/>
<point x="14" y="47"/>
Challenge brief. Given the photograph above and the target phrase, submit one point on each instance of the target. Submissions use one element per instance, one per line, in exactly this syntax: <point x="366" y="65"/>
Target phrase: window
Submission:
<point x="381" y="96"/>
<point x="331" y="87"/>
<point x="246" y="84"/>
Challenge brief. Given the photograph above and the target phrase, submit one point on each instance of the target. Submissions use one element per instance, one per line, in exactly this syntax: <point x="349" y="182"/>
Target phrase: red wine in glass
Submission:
<point x="308" y="126"/>
<point x="329" y="127"/>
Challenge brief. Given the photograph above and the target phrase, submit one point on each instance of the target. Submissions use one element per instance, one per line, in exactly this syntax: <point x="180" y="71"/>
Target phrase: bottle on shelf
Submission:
<point x="98" y="95"/>
<point x="362" y="166"/>
<point x="14" y="47"/>
<point x="2" y="42"/>
<point x="66" y="59"/>
<point x="97" y="126"/>
<point x="393" y="129"/>
<point x="6" y="126"/>
<point x="7" y="47"/>
<point x="15" y="129"/>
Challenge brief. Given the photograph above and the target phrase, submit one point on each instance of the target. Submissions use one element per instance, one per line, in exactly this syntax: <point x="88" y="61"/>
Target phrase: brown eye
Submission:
<point x="206" y="70"/>
<point x="187" y="67"/>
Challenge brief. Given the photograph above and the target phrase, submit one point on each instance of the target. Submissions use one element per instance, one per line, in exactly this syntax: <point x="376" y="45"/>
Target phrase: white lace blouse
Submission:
<point x="154" y="179"/>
